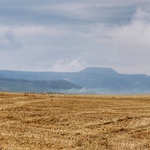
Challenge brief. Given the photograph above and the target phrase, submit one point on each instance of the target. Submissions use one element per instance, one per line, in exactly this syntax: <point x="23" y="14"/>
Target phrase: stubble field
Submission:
<point x="74" y="122"/>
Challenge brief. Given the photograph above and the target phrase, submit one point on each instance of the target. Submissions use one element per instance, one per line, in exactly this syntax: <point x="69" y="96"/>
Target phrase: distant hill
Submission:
<point x="91" y="79"/>
<point x="18" y="85"/>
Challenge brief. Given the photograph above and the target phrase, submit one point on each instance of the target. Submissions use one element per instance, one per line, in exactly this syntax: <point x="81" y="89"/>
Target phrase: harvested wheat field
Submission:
<point x="74" y="122"/>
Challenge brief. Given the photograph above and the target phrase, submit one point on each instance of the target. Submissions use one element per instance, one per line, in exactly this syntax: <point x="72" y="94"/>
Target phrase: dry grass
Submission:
<point x="74" y="122"/>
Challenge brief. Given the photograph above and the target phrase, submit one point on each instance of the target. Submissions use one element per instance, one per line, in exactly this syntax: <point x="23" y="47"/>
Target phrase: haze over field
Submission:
<point x="70" y="35"/>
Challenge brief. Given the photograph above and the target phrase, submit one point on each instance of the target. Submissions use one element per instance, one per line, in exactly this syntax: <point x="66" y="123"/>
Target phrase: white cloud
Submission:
<point x="141" y="15"/>
<point x="127" y="46"/>
<point x="72" y="65"/>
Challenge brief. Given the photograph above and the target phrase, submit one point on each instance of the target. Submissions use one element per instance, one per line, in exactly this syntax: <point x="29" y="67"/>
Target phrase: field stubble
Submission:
<point x="78" y="122"/>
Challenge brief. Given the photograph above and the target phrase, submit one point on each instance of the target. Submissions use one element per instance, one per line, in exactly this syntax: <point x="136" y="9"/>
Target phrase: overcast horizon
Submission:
<point x="69" y="35"/>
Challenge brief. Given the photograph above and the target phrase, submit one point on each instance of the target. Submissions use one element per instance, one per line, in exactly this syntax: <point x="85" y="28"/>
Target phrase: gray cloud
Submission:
<point x="47" y="12"/>
<point x="70" y="35"/>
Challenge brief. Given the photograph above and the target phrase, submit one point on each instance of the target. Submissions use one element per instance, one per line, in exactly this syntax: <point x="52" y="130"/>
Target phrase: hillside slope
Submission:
<point x="18" y="85"/>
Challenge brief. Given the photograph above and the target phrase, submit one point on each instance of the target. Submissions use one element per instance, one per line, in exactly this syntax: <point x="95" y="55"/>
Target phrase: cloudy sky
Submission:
<point x="68" y="35"/>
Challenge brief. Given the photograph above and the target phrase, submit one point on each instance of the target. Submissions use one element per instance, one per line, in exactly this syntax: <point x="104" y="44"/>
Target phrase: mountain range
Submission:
<point x="89" y="80"/>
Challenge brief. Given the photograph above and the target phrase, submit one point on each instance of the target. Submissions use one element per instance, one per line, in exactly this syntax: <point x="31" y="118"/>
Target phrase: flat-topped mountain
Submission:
<point x="99" y="70"/>
<point x="95" y="79"/>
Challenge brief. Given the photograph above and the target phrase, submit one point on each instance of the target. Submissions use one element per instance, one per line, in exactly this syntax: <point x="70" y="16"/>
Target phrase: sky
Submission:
<point x="69" y="35"/>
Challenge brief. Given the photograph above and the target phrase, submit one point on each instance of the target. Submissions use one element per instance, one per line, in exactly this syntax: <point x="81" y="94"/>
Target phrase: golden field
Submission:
<point x="74" y="122"/>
